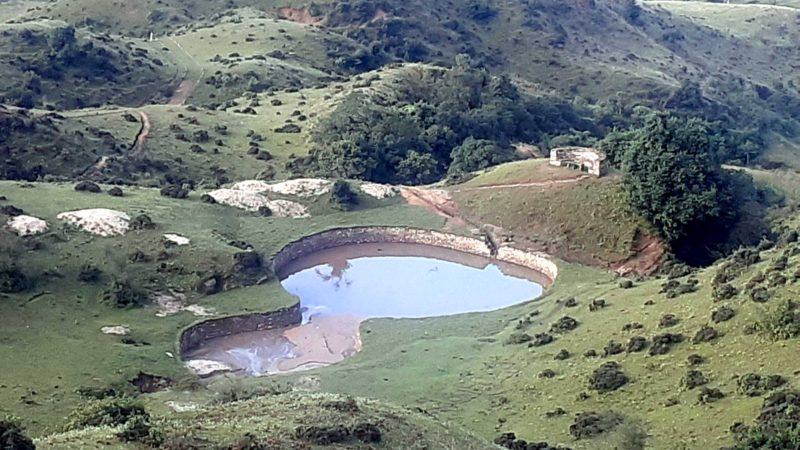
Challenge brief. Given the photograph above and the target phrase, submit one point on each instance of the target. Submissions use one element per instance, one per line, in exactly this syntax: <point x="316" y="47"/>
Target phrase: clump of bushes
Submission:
<point x="107" y="412"/>
<point x="88" y="186"/>
<point x="124" y="294"/>
<point x="662" y="343"/>
<point x="693" y="379"/>
<point x="174" y="191"/>
<point x="510" y="441"/>
<point x="782" y="321"/>
<point x="142" y="222"/>
<point x="591" y="424"/>
<point x="754" y="385"/>
<point x="674" y="288"/>
<point x="705" y="334"/>
<point x="365" y="432"/>
<point x="723" y="314"/>
<point x="608" y="377"/>
<point x="777" y="426"/>
<point x="89" y="274"/>
<point x="723" y="291"/>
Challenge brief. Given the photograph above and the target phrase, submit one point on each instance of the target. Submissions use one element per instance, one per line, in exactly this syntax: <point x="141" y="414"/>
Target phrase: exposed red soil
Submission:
<point x="299" y="15"/>
<point x="648" y="253"/>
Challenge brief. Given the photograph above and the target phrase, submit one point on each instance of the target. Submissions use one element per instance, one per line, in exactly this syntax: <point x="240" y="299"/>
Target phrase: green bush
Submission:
<point x="782" y="321"/>
<point x="12" y="436"/>
<point x="106" y="412"/>
<point x="342" y="195"/>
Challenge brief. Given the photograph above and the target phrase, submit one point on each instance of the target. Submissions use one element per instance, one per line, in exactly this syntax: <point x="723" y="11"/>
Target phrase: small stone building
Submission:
<point x="585" y="159"/>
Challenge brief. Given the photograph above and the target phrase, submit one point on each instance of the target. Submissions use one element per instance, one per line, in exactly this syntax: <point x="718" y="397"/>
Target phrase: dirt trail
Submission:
<point x="437" y="201"/>
<point x="144" y="133"/>
<point x="182" y="93"/>
<point x="522" y="185"/>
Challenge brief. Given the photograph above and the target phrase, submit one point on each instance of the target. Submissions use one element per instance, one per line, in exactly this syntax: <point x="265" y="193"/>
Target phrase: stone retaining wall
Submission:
<point x="537" y="261"/>
<point x="226" y="326"/>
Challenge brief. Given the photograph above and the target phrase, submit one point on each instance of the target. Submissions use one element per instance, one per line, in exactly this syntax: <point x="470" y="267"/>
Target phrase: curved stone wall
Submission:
<point x="537" y="261"/>
<point x="225" y="326"/>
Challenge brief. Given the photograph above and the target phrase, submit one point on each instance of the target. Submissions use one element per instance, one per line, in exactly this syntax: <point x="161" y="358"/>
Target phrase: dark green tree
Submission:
<point x="476" y="154"/>
<point x="673" y="178"/>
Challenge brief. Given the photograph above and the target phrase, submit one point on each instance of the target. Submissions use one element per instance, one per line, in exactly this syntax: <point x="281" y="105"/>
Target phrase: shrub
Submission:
<point x="723" y="291"/>
<point x="782" y="321"/>
<point x="142" y="222"/>
<point x="777" y="427"/>
<point x="12" y="436"/>
<point x="88" y="186"/>
<point x="89" y="274"/>
<point x="590" y="424"/>
<point x="564" y="325"/>
<point x="342" y="195"/>
<point x="115" y="192"/>
<point x="123" y="294"/>
<point x="174" y="191"/>
<point x="608" y="377"/>
<point x="108" y="412"/>
<point x="662" y="343"/>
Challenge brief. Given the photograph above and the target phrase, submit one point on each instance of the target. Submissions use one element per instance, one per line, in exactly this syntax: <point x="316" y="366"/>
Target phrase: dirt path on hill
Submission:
<point x="141" y="137"/>
<point x="437" y="201"/>
<point x="523" y="185"/>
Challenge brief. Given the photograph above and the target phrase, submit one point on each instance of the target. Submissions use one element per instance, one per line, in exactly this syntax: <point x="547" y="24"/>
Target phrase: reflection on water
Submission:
<point x="406" y="286"/>
<point x="340" y="287"/>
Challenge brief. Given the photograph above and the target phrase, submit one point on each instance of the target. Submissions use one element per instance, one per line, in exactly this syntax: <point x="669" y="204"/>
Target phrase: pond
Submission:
<point x="342" y="286"/>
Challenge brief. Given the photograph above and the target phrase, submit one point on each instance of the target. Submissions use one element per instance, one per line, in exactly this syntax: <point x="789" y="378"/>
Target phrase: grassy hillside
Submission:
<point x="49" y="63"/>
<point x="576" y="217"/>
<point x="75" y="352"/>
<point x="312" y="421"/>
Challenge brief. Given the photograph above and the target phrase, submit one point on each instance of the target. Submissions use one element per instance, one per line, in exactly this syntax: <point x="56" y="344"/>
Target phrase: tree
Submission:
<point x="476" y="154"/>
<point x="674" y="180"/>
<point x="418" y="168"/>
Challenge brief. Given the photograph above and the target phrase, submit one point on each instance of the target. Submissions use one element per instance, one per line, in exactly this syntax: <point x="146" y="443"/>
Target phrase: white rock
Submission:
<point x="182" y="406"/>
<point x="251" y="201"/>
<point x="379" y="191"/>
<point x="27" y="225"/>
<point x="199" y="311"/>
<point x="300" y="187"/>
<point x="116" y="330"/>
<point x="177" y="239"/>
<point x="99" y="221"/>
<point x="286" y="208"/>
<point x="207" y="367"/>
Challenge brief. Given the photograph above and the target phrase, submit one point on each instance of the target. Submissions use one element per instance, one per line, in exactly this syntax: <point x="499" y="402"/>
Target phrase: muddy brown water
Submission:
<point x="342" y="286"/>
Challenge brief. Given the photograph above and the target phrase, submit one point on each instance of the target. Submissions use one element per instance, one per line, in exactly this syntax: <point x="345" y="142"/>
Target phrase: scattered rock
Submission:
<point x="206" y="368"/>
<point x="547" y="373"/>
<point x="300" y="187"/>
<point x="24" y="225"/>
<point x="176" y="239"/>
<point x="182" y="406"/>
<point x="571" y="302"/>
<point x="379" y="191"/>
<point x="116" y="330"/>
